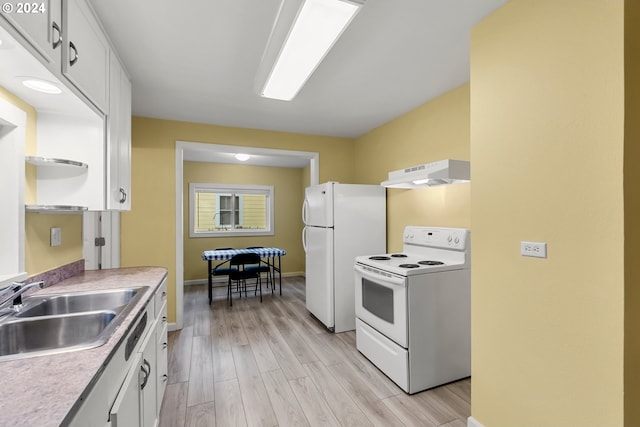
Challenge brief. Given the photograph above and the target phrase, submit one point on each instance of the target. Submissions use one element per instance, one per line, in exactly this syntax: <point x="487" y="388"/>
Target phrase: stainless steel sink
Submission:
<point x="50" y="334"/>
<point x="77" y="302"/>
<point x="60" y="323"/>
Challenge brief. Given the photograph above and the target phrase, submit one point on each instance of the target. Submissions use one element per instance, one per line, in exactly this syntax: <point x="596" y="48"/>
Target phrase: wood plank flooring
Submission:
<point x="272" y="364"/>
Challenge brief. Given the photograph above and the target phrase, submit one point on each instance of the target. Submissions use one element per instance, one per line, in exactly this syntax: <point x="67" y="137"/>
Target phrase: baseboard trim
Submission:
<point x="221" y="281"/>
<point x="472" y="422"/>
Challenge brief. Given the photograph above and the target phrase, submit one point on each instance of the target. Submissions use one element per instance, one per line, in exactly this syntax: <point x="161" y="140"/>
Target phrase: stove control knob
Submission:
<point x="457" y="240"/>
<point x="449" y="239"/>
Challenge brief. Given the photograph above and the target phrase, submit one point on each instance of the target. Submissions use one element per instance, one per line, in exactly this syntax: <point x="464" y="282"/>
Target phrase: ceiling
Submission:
<point x="196" y="61"/>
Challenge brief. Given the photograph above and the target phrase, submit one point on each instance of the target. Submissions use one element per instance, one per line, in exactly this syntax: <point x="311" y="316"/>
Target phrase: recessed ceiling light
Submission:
<point x="242" y="157"/>
<point x="40" y="85"/>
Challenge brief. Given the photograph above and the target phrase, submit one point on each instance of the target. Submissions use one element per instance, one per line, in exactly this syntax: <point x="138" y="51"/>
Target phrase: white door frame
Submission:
<point x="313" y="159"/>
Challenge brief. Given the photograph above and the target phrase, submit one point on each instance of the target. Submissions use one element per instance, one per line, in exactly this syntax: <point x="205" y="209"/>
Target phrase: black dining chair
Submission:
<point x="263" y="267"/>
<point x="242" y="273"/>
<point x="223" y="268"/>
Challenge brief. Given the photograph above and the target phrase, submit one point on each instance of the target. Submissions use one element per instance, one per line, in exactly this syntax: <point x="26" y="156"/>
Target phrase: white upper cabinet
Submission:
<point x="85" y="57"/>
<point x="119" y="138"/>
<point x="62" y="41"/>
<point x="66" y="37"/>
<point x="40" y="23"/>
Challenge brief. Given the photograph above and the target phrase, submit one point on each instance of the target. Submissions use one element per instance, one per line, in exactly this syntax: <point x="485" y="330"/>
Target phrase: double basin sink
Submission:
<point x="65" y="322"/>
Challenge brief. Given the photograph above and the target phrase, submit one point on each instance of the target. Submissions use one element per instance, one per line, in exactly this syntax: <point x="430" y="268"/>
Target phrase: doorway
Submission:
<point x="216" y="153"/>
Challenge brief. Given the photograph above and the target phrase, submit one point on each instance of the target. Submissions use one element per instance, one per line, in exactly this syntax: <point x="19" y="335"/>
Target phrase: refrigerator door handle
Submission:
<point x="305" y="208"/>
<point x="304" y="239"/>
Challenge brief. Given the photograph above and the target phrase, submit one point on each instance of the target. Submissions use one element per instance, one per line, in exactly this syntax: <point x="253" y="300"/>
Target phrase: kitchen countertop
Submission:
<point x="41" y="391"/>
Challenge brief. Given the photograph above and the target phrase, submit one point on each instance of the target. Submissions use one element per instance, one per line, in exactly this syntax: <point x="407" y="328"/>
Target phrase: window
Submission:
<point x="230" y="210"/>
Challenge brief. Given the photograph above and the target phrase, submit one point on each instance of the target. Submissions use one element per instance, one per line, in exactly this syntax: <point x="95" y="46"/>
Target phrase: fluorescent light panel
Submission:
<point x="315" y="30"/>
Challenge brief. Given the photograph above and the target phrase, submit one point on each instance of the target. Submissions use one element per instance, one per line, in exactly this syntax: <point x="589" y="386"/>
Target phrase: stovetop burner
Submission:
<point x="398" y="255"/>
<point x="409" y="266"/>
<point x="380" y="258"/>
<point x="430" y="262"/>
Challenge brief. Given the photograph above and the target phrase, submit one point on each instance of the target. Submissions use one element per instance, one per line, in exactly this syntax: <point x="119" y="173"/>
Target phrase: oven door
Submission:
<point x="381" y="302"/>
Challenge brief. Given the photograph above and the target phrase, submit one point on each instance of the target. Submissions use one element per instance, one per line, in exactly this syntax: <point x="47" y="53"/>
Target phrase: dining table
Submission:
<point x="270" y="254"/>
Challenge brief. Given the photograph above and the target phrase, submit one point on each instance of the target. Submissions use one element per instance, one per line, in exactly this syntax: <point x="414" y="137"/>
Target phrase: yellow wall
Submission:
<point x="148" y="231"/>
<point x="435" y="131"/>
<point x="547" y="99"/>
<point x="632" y="213"/>
<point x="39" y="255"/>
<point x="288" y="197"/>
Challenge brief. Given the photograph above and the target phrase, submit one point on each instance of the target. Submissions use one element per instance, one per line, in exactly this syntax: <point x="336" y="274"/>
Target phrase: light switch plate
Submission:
<point x="56" y="236"/>
<point x="533" y="249"/>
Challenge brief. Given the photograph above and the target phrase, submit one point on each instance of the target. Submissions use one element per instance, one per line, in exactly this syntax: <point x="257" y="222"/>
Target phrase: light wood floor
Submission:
<point x="272" y="364"/>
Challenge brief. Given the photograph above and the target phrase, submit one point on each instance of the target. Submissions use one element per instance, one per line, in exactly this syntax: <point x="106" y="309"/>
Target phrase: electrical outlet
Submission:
<point x="533" y="249"/>
<point x="56" y="236"/>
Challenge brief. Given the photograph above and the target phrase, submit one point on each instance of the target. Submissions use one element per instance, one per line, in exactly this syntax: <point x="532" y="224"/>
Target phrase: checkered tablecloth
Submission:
<point x="223" y="254"/>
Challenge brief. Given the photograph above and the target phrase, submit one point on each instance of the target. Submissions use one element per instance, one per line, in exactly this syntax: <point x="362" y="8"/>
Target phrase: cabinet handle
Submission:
<point x="73" y="59"/>
<point x="164" y="345"/>
<point x="123" y="195"/>
<point x="147" y="373"/>
<point x="56" y="41"/>
<point x="145" y="376"/>
<point x="164" y="319"/>
<point x="165" y="378"/>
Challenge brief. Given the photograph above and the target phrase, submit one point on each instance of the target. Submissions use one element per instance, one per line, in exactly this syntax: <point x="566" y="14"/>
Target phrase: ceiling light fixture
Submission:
<point x="40" y="85"/>
<point x="242" y="157"/>
<point x="301" y="37"/>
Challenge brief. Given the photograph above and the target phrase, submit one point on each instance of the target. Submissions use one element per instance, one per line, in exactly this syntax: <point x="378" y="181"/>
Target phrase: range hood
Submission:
<point x="430" y="174"/>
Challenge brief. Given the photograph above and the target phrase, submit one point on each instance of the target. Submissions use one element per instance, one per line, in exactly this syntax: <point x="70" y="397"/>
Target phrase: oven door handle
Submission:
<point x="390" y="280"/>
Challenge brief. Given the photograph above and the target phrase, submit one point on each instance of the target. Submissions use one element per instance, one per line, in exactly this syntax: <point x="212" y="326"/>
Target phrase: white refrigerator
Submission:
<point x="341" y="222"/>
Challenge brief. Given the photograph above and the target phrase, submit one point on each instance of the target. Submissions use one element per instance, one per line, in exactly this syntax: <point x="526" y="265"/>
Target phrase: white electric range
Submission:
<point x="413" y="308"/>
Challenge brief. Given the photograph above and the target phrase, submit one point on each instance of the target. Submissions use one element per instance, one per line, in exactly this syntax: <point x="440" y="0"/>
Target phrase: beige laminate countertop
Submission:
<point x="41" y="391"/>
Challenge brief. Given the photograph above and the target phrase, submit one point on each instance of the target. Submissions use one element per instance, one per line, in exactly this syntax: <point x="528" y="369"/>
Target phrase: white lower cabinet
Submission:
<point x="126" y="409"/>
<point x="148" y="380"/>
<point x="130" y="390"/>
<point x="136" y="402"/>
<point x="162" y="361"/>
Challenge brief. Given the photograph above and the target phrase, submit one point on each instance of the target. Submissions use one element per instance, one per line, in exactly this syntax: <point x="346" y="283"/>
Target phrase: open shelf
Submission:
<point x="48" y="161"/>
<point x="59" y="209"/>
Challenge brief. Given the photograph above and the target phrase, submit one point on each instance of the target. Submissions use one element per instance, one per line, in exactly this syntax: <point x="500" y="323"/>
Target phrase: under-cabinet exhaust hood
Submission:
<point x="430" y="174"/>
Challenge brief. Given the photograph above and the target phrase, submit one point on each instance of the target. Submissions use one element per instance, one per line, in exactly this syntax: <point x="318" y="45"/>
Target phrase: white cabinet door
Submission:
<point x="126" y="411"/>
<point x="119" y="138"/>
<point x="162" y="363"/>
<point x="162" y="351"/>
<point x="85" y="57"/>
<point x="124" y="144"/>
<point x="40" y="24"/>
<point x="148" y="387"/>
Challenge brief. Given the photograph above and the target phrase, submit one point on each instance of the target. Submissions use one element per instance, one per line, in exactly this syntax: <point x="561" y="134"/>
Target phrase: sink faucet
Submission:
<point x="17" y="290"/>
